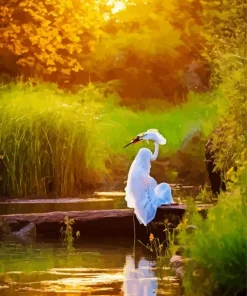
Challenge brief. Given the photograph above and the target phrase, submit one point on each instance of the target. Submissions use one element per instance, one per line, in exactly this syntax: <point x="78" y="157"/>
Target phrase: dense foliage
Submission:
<point x="218" y="247"/>
<point x="225" y="31"/>
<point x="47" y="37"/>
<point x="152" y="48"/>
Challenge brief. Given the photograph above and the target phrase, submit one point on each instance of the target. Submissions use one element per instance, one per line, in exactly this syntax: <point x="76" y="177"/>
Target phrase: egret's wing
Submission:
<point x="163" y="194"/>
<point x="140" y="196"/>
<point x="141" y="193"/>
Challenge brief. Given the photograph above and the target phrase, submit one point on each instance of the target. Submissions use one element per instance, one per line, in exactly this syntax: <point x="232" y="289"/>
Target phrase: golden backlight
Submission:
<point x="116" y="5"/>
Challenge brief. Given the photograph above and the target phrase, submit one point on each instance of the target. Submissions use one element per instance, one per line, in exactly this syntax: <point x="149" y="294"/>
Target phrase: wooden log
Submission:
<point x="99" y="223"/>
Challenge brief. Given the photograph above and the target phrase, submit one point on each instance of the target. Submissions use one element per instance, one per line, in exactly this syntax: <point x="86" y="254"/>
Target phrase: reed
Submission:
<point x="44" y="135"/>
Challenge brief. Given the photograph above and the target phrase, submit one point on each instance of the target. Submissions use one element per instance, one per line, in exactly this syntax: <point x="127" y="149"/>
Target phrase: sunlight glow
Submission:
<point x="117" y="5"/>
<point x="86" y="282"/>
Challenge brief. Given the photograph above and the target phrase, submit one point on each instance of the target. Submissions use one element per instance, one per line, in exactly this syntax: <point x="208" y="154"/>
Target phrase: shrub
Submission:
<point x="218" y="247"/>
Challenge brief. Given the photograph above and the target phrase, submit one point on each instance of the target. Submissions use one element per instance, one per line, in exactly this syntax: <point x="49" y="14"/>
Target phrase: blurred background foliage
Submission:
<point x="152" y="48"/>
<point x="80" y="79"/>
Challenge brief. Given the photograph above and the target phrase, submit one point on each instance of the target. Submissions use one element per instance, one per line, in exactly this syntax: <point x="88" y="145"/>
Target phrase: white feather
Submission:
<point x="142" y="191"/>
<point x="160" y="139"/>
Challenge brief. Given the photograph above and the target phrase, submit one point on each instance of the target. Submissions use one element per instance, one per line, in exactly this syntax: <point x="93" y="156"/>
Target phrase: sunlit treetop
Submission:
<point x="50" y="35"/>
<point x="145" y="44"/>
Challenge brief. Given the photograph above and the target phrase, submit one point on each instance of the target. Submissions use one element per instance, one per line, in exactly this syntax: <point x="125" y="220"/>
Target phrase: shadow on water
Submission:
<point x="102" y="268"/>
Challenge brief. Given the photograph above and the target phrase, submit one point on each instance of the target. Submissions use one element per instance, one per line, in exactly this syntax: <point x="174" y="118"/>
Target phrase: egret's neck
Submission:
<point x="156" y="151"/>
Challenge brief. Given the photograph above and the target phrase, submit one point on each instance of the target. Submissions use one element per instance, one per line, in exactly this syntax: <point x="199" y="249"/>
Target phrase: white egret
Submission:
<point x="143" y="194"/>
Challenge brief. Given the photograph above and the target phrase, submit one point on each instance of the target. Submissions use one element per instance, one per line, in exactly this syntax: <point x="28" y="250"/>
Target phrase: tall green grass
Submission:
<point x="64" y="143"/>
<point x="44" y="136"/>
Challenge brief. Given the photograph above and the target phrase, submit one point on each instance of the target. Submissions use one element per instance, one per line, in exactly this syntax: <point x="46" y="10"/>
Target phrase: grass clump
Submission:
<point x="44" y="136"/>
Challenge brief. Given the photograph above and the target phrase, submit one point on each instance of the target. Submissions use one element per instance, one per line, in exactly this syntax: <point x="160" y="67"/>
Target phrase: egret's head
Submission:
<point x="136" y="140"/>
<point x="149" y="135"/>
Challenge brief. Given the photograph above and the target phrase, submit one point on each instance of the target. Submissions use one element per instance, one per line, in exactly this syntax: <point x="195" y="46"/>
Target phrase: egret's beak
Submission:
<point x="136" y="140"/>
<point x="128" y="144"/>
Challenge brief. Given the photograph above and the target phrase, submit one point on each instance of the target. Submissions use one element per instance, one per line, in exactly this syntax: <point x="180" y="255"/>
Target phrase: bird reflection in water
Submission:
<point x="139" y="281"/>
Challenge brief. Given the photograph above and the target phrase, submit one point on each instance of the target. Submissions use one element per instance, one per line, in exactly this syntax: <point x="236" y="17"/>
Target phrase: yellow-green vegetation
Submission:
<point x="225" y="35"/>
<point x="43" y="139"/>
<point x="67" y="233"/>
<point x="42" y="257"/>
<point x="162" y="249"/>
<point x="217" y="248"/>
<point x="58" y="142"/>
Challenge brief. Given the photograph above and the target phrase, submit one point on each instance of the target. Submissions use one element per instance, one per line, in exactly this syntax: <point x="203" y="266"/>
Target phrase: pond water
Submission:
<point x="95" y="266"/>
<point x="101" y="268"/>
<point x="93" y="202"/>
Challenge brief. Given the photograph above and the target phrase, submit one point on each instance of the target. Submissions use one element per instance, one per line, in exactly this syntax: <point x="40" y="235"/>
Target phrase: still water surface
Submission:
<point x="108" y="267"/>
<point x="103" y="267"/>
<point x="93" y="202"/>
